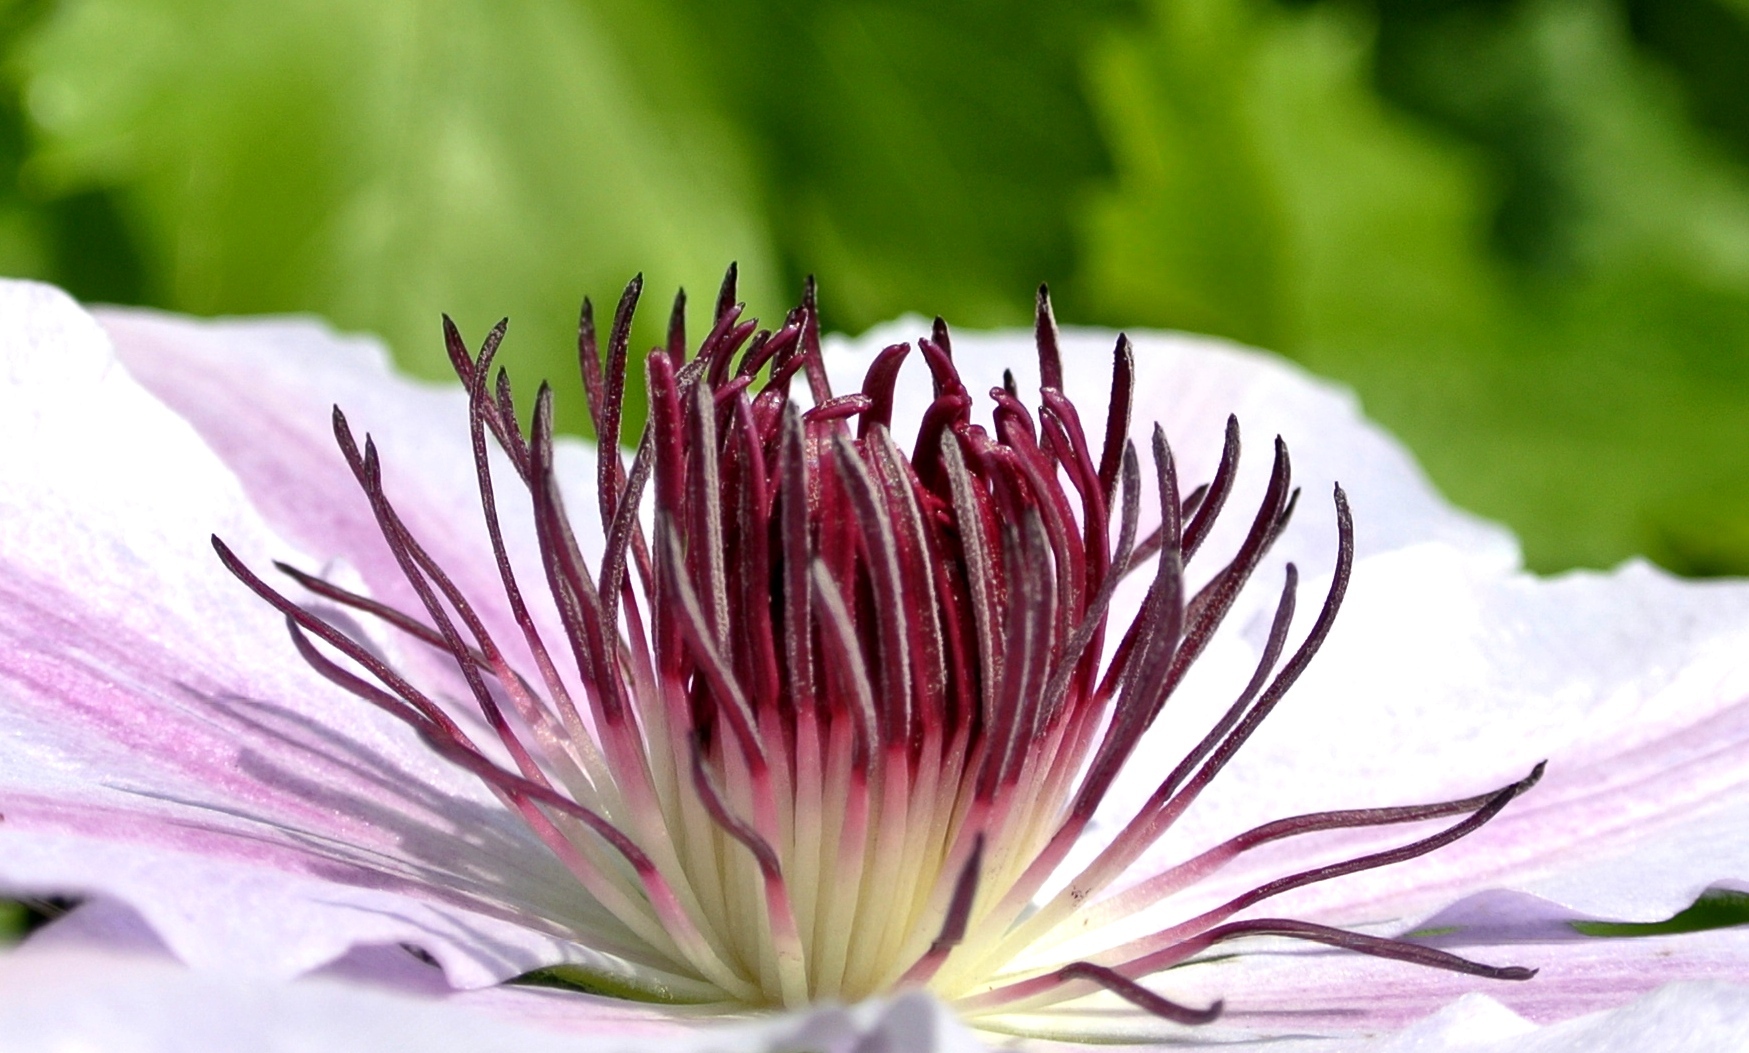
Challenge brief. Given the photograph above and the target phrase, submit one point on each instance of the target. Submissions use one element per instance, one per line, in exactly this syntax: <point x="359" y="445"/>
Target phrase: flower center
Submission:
<point x="845" y="707"/>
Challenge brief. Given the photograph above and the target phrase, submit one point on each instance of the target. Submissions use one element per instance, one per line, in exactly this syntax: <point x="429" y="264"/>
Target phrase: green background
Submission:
<point x="1519" y="228"/>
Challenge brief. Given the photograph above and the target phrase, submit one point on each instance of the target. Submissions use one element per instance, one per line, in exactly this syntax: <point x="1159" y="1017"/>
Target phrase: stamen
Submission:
<point x="1375" y="946"/>
<point x="953" y="927"/>
<point x="1158" y="887"/>
<point x="1117" y="414"/>
<point x="1137" y="995"/>
<point x="853" y="709"/>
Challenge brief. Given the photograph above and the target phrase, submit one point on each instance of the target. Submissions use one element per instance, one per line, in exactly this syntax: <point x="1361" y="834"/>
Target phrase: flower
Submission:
<point x="164" y="749"/>
<point x="857" y="715"/>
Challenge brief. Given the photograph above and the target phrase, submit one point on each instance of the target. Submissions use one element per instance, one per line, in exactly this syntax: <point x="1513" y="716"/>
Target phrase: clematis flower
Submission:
<point x="827" y="717"/>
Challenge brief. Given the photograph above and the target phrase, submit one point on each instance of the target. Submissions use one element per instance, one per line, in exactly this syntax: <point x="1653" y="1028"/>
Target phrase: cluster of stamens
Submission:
<point x="845" y="709"/>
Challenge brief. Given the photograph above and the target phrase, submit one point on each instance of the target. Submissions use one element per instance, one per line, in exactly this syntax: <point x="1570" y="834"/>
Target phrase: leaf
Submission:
<point x="921" y="156"/>
<point x="1716" y="908"/>
<point x="1264" y="192"/>
<point x="382" y="161"/>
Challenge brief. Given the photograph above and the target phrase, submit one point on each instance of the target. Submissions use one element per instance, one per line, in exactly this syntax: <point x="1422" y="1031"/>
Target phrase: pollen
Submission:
<point x="831" y="708"/>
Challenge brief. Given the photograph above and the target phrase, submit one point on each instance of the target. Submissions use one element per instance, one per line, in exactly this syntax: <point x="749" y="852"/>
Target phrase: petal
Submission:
<point x="905" y="1022"/>
<point x="161" y="743"/>
<point x="1443" y="680"/>
<point x="90" y="1000"/>
<point x="1275" y="989"/>
<point x="1696" y="1017"/>
<point x="1336" y="990"/>
<point x="69" y="998"/>
<point x="261" y="394"/>
<point x="1473" y="1021"/>
<point x="1699" y="1017"/>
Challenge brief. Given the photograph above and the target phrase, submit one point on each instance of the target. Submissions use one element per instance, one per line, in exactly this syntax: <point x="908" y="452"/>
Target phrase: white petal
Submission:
<point x="1443" y="680"/>
<point x="1474" y="1021"/>
<point x="162" y="743"/>
<point x="1276" y="989"/>
<point x="74" y="1000"/>
<point x="1694" y="1017"/>
<point x="55" y="1001"/>
<point x="261" y="392"/>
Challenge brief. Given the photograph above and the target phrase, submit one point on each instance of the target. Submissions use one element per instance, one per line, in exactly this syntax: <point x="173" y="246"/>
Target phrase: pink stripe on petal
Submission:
<point x="1441" y="675"/>
<point x="1348" y="993"/>
<point x="260" y="394"/>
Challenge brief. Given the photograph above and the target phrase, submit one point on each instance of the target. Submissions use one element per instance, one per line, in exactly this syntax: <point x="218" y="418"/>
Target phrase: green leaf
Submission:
<point x="1265" y="192"/>
<point x="1715" y="909"/>
<point x="921" y="156"/>
<point x="382" y="161"/>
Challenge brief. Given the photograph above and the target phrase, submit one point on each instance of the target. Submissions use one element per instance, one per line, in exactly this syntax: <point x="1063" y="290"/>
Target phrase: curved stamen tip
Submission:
<point x="1139" y="996"/>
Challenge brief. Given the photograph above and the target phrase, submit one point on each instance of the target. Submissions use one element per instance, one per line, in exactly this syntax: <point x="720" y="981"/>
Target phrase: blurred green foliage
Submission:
<point x="20" y="918"/>
<point x="380" y="162"/>
<point x="1530" y="262"/>
<point x="919" y="155"/>
<point x="14" y="917"/>
<point x="1519" y="228"/>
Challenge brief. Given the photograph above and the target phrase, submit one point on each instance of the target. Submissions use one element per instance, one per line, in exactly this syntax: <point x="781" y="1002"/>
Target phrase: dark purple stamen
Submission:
<point x="1137" y="995"/>
<point x="845" y="709"/>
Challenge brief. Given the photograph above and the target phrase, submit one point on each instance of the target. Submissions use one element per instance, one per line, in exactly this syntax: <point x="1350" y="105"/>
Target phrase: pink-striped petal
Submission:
<point x="66" y="996"/>
<point x="1443" y="679"/>
<point x="159" y="741"/>
<point x="1278" y="990"/>
<point x="261" y="392"/>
